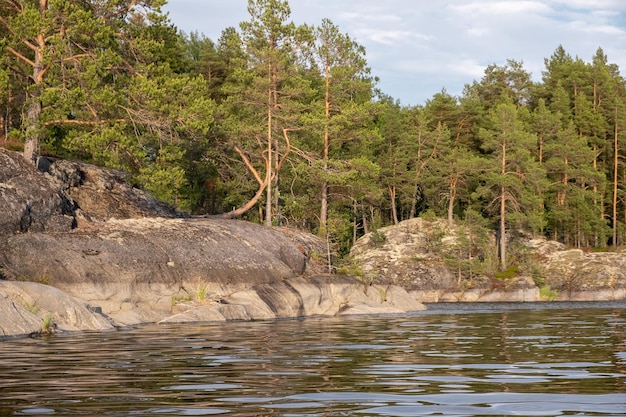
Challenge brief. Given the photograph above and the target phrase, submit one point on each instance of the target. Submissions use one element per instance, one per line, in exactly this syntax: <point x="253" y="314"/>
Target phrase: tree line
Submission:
<point x="284" y="124"/>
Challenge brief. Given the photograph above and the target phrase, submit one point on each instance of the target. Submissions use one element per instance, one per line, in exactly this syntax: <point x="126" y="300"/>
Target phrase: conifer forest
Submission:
<point x="284" y="124"/>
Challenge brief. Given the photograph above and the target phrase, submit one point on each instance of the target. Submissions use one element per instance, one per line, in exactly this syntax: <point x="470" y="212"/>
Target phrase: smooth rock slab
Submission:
<point x="299" y="297"/>
<point x="33" y="302"/>
<point x="16" y="321"/>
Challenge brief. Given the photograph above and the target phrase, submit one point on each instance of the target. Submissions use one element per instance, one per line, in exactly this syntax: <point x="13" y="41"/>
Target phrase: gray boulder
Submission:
<point x="29" y="201"/>
<point x="138" y="270"/>
<point x="579" y="275"/>
<point x="401" y="255"/>
<point x="123" y="258"/>
<point x="98" y="193"/>
<point x="140" y="265"/>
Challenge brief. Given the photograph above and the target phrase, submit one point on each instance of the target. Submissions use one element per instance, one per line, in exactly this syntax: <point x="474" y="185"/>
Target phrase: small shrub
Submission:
<point x="45" y="280"/>
<point x="428" y="215"/>
<point x="32" y="308"/>
<point x="539" y="281"/>
<point x="343" y="270"/>
<point x="201" y="293"/>
<point x="538" y="275"/>
<point x="48" y="326"/>
<point x="366" y="282"/>
<point x="377" y="239"/>
<point x="548" y="294"/>
<point x="178" y="298"/>
<point x="348" y="268"/>
<point x="508" y="273"/>
<point x="602" y="249"/>
<point x="12" y="143"/>
<point x="316" y="256"/>
<point x="383" y="294"/>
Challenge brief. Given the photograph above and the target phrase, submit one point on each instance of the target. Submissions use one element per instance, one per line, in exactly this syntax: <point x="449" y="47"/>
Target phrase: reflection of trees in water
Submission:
<point x="615" y="323"/>
<point x="427" y="351"/>
<point x="569" y="349"/>
<point x="525" y="351"/>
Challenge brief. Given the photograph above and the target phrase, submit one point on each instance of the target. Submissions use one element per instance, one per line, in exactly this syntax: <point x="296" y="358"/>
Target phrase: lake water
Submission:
<point x="453" y="360"/>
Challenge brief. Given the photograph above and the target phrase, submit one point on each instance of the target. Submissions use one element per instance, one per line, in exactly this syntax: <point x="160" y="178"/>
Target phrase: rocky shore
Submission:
<point x="80" y="249"/>
<point x="401" y="256"/>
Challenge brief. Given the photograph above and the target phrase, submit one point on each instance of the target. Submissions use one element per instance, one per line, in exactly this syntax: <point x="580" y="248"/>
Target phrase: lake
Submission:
<point x="454" y="359"/>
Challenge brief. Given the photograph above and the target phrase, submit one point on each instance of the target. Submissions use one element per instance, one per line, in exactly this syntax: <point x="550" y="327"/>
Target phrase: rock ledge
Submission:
<point x="82" y="249"/>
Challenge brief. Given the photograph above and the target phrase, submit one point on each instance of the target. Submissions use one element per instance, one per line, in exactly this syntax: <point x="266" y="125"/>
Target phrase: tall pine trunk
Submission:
<point x="33" y="137"/>
<point x="324" y="193"/>
<point x="502" y="240"/>
<point x="33" y="113"/>
<point x="392" y="200"/>
<point x="615" y="178"/>
<point x="268" y="193"/>
<point x="453" y="185"/>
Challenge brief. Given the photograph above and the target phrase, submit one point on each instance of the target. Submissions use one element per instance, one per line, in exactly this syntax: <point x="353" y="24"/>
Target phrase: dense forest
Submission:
<point x="284" y="124"/>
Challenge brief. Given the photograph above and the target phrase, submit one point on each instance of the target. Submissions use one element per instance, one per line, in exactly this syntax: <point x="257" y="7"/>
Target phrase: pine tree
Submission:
<point x="263" y="104"/>
<point x="395" y="157"/>
<point x="342" y="66"/>
<point x="510" y="81"/>
<point x="572" y="214"/>
<point x="545" y="125"/>
<point x="452" y="177"/>
<point x="513" y="186"/>
<point x="66" y="49"/>
<point x="421" y="143"/>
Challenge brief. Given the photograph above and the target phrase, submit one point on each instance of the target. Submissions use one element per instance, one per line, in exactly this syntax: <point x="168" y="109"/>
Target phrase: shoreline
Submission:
<point x="430" y="308"/>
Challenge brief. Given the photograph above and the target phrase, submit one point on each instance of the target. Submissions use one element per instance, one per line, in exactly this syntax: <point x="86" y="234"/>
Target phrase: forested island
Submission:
<point x="282" y="124"/>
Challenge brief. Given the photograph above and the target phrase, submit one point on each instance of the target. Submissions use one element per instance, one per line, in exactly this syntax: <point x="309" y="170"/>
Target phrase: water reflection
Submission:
<point x="484" y="360"/>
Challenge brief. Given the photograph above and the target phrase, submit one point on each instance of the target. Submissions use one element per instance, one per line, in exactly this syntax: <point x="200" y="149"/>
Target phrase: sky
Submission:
<point x="419" y="47"/>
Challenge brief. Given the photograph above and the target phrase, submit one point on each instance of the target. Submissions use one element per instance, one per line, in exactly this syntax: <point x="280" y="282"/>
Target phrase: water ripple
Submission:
<point x="503" y="361"/>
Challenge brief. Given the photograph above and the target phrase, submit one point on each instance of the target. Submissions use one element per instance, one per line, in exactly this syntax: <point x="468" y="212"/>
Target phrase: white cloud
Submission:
<point x="391" y="37"/>
<point x="600" y="29"/>
<point x="500" y="7"/>
<point x="617" y="5"/>
<point x="369" y="16"/>
<point x="466" y="67"/>
<point x="479" y="31"/>
<point x="605" y="14"/>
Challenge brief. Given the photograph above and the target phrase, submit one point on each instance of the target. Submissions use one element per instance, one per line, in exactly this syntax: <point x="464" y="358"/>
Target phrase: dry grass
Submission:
<point x="11" y="144"/>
